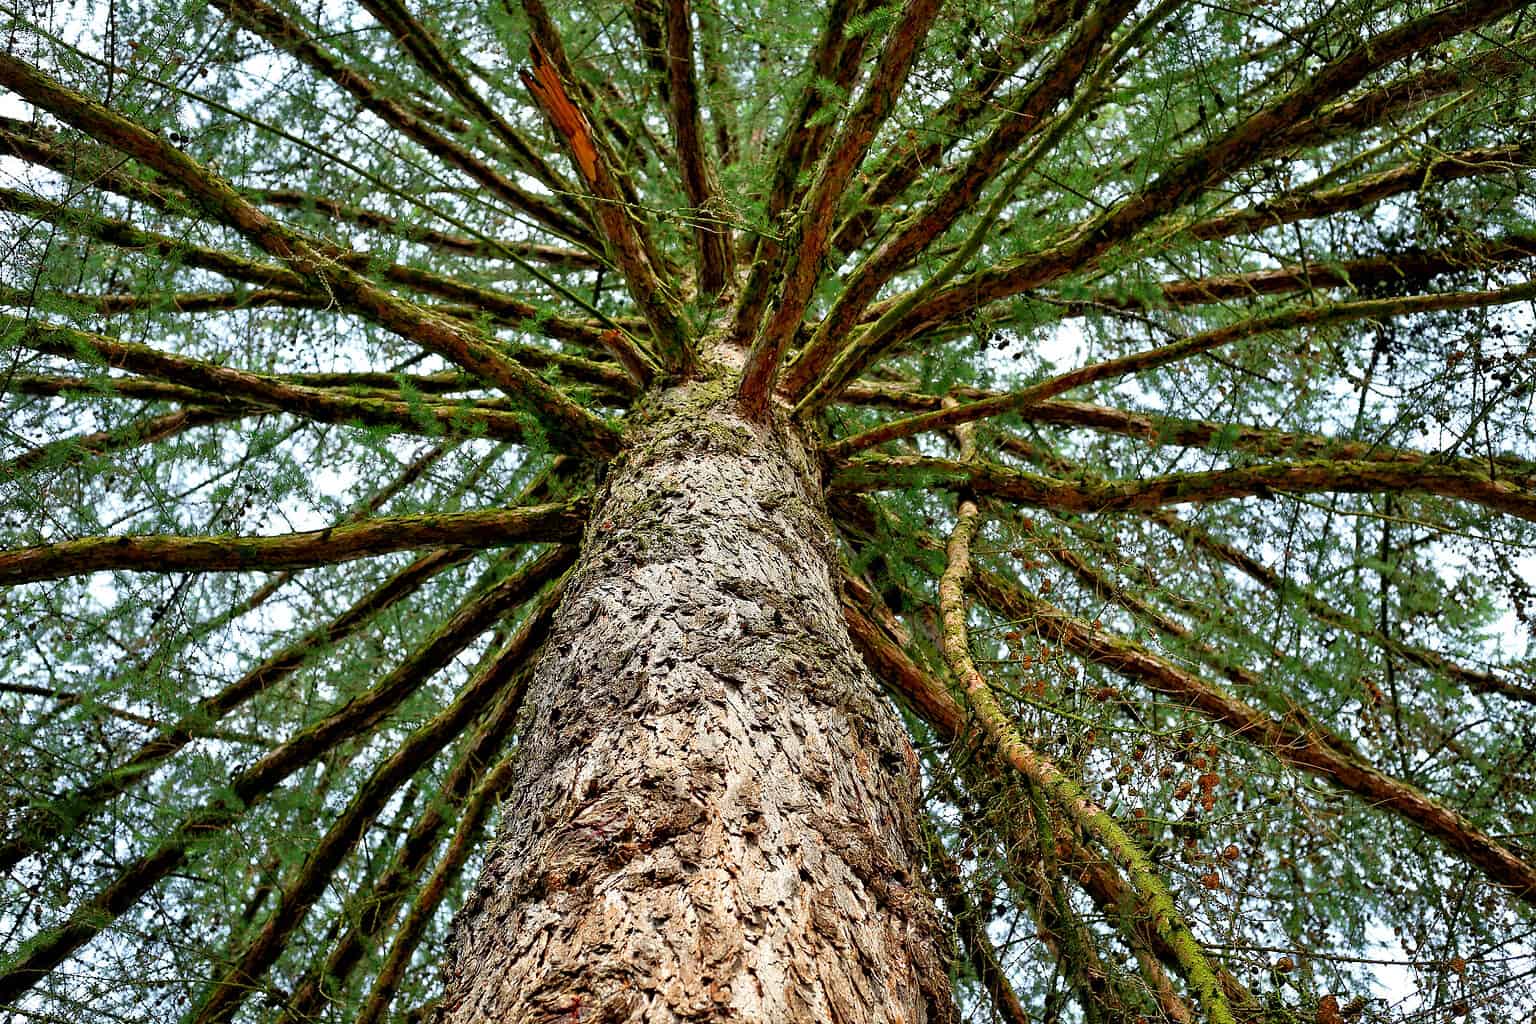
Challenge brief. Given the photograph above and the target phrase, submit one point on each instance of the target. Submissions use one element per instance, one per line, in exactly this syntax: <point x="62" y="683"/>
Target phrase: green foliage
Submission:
<point x="1395" y="621"/>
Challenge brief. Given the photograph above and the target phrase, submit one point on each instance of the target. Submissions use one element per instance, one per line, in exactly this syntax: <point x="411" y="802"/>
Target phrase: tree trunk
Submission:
<point x="715" y="818"/>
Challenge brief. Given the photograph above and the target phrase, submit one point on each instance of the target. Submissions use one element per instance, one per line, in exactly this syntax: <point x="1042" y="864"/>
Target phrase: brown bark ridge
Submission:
<point x="714" y="817"/>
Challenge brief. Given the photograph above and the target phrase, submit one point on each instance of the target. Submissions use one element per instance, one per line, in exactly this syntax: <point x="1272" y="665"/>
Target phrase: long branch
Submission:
<point x="1026" y="115"/>
<point x="69" y="451"/>
<point x="1063" y="790"/>
<point x="1477" y="680"/>
<point x="837" y="58"/>
<point x="801" y="258"/>
<point x="462" y="245"/>
<point x="215" y="388"/>
<point x="903" y="164"/>
<point x="872" y="473"/>
<point x="626" y="236"/>
<point x="1119" y="902"/>
<point x="284" y="286"/>
<point x="170" y="553"/>
<point x="376" y="907"/>
<point x="413" y="927"/>
<point x="1261" y="134"/>
<point x="1413" y="267"/>
<point x="1159" y="429"/>
<point x="1206" y="341"/>
<point x="428" y="53"/>
<point x="267" y="22"/>
<point x="1291" y="207"/>
<point x="701" y="182"/>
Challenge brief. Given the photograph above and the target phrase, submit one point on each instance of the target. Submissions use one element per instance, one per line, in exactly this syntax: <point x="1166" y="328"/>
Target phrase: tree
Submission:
<point x="908" y="511"/>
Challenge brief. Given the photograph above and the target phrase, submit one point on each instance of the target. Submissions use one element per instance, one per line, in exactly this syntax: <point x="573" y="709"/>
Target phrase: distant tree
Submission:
<point x="885" y="512"/>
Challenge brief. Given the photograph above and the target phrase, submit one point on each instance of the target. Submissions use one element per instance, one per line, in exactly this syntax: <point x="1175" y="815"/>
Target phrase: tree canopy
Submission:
<point x="1171" y="365"/>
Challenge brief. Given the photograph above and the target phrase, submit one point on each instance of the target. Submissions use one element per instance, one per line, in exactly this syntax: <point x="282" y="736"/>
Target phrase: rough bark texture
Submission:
<point x="715" y="812"/>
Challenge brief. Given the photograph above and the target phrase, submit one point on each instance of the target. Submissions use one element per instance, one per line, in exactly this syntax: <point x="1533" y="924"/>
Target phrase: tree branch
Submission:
<point x="624" y="233"/>
<point x="1063" y="791"/>
<point x="1119" y="902"/>
<point x="428" y="53"/>
<point x="904" y="471"/>
<point x="69" y="451"/>
<point x="1296" y="741"/>
<point x="1476" y="680"/>
<point x="266" y="21"/>
<point x="701" y="182"/>
<point x="1394" y="269"/>
<point x="496" y="249"/>
<point x="286" y="288"/>
<point x="836" y="59"/>
<point x="44" y="823"/>
<point x="1270" y="130"/>
<point x="1025" y="115"/>
<point x="384" y="535"/>
<point x="232" y="392"/>
<point x="465" y="841"/>
<point x="901" y="166"/>
<point x="1372" y="188"/>
<point x="1139" y="362"/>
<point x="375" y="909"/>
<point x="801" y="257"/>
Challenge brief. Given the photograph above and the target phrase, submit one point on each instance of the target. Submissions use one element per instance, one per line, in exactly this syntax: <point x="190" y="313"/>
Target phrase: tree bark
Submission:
<point x="715" y="815"/>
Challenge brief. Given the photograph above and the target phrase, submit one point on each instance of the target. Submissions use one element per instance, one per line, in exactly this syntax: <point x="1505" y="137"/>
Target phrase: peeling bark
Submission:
<point x="715" y="812"/>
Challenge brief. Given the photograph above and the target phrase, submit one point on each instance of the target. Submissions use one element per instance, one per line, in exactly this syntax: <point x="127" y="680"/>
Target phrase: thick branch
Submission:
<point x="1025" y="116"/>
<point x="803" y="254"/>
<point x="269" y="23"/>
<point x="1372" y="188"/>
<point x="837" y="59"/>
<point x="166" y="553"/>
<point x="376" y="907"/>
<point x="412" y="928"/>
<point x="1263" y="133"/>
<point x="625" y="235"/>
<point x="1159" y="430"/>
<point x="1063" y="790"/>
<point x="40" y="826"/>
<point x="1140" y="362"/>
<point x="443" y="69"/>
<point x="899" y="472"/>
<point x="700" y="180"/>
<point x="1494" y="63"/>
